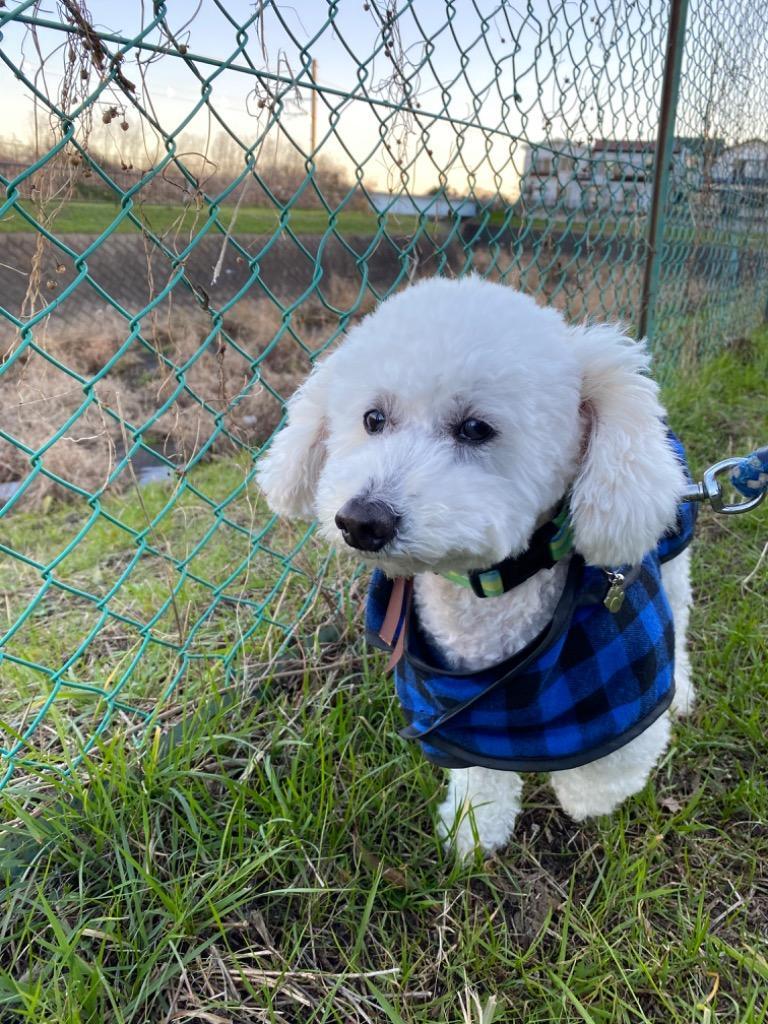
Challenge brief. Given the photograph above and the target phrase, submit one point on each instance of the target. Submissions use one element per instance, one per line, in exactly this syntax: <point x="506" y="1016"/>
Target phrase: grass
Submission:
<point x="274" y="858"/>
<point x="91" y="217"/>
<point x="187" y="551"/>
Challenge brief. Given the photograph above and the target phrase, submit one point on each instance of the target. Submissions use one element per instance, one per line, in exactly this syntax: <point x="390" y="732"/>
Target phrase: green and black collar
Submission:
<point x="550" y="543"/>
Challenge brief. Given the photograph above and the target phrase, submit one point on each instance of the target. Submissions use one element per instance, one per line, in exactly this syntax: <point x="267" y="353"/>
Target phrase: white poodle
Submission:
<point x="462" y="426"/>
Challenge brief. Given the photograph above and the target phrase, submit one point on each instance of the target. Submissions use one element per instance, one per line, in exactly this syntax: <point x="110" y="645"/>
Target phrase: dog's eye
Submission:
<point x="474" y="431"/>
<point x="374" y="421"/>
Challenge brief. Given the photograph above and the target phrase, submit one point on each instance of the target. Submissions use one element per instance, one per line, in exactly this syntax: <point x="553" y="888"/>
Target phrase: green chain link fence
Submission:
<point x="200" y="202"/>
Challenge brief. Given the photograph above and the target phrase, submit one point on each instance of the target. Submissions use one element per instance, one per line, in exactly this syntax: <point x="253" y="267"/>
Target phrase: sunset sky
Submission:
<point x="552" y="76"/>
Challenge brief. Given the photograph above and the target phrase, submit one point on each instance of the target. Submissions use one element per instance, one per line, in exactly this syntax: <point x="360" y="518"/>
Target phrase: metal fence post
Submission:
<point x="673" y="59"/>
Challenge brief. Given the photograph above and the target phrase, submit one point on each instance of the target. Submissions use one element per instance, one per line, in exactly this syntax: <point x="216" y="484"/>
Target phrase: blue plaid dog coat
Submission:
<point x="590" y="682"/>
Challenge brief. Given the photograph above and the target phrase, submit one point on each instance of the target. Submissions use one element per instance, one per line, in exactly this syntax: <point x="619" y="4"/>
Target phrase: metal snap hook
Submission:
<point x="710" y="489"/>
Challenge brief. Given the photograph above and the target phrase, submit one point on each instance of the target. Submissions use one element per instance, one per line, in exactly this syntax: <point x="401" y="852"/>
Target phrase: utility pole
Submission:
<point x="314" y="106"/>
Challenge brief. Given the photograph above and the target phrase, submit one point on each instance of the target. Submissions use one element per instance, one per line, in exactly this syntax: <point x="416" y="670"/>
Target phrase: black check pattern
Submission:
<point x="590" y="682"/>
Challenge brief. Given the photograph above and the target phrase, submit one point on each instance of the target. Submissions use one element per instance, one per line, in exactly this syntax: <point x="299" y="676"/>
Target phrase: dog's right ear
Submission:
<point x="288" y="472"/>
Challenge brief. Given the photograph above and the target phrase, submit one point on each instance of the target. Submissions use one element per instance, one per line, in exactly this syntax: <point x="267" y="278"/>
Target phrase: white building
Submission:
<point x="744" y="164"/>
<point x="439" y="207"/>
<point x="622" y="175"/>
<point x="555" y="173"/>
<point x="740" y="181"/>
<point x="611" y="175"/>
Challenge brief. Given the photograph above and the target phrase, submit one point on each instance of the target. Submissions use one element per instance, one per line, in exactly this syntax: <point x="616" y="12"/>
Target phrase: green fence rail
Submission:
<point x="198" y="203"/>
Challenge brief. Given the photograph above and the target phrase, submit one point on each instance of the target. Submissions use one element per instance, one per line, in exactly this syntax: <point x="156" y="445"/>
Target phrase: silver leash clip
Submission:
<point x="710" y="489"/>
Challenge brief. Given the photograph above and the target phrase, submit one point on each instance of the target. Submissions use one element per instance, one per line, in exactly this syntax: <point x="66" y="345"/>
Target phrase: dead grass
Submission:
<point x="189" y="385"/>
<point x="575" y="286"/>
<point x="77" y="396"/>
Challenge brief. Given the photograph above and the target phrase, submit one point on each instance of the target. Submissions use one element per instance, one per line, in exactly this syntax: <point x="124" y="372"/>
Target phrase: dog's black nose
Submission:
<point x="366" y="525"/>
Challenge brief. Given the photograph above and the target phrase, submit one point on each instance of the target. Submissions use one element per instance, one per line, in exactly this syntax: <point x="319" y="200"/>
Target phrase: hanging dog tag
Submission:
<point x="614" y="599"/>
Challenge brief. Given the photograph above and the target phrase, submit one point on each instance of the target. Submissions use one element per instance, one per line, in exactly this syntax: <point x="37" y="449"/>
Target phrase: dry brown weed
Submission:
<point x="183" y="381"/>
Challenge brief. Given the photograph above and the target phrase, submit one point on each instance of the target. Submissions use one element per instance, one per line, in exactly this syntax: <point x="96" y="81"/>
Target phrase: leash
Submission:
<point x="748" y="475"/>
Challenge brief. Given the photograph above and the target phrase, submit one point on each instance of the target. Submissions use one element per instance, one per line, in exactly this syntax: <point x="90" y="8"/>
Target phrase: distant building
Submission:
<point x="612" y="175"/>
<point x="739" y="178"/>
<point x="744" y="164"/>
<point x="622" y="175"/>
<point x="437" y="206"/>
<point x="555" y="173"/>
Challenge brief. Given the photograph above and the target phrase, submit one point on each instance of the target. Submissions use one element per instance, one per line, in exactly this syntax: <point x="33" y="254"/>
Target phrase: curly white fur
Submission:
<point x="571" y="408"/>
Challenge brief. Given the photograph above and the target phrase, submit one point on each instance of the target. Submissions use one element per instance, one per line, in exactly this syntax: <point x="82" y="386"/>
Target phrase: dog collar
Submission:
<point x="549" y="544"/>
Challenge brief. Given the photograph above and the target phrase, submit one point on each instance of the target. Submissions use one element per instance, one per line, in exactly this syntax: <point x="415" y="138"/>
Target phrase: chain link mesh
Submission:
<point x="203" y="203"/>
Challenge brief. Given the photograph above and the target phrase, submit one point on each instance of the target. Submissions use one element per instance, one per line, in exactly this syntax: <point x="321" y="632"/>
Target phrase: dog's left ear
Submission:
<point x="630" y="481"/>
<point x="289" y="471"/>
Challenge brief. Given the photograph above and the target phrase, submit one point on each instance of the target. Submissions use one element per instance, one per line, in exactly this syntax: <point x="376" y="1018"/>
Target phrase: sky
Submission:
<point x="492" y="76"/>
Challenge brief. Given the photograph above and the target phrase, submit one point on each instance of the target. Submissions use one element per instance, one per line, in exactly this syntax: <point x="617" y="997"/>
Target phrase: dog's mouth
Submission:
<point x="374" y="533"/>
<point x="396" y="560"/>
<point x="382" y="537"/>
<point x="391" y="556"/>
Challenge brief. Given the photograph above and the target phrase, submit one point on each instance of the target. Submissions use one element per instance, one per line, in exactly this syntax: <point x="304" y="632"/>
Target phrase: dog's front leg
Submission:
<point x="479" y="809"/>
<point x="676" y="577"/>
<point x="599" y="787"/>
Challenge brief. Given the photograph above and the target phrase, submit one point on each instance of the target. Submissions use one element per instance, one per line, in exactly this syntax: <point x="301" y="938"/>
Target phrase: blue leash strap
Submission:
<point x="750" y="476"/>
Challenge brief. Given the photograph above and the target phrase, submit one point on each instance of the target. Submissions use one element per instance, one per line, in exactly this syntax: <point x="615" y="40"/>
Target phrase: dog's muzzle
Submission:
<point x="366" y="525"/>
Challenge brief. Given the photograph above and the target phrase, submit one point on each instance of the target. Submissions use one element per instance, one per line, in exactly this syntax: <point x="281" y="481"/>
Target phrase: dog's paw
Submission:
<point x="580" y="802"/>
<point x="685" y="695"/>
<point x="599" y="787"/>
<point x="467" y="829"/>
<point x="479" y="811"/>
<point x="683" y="702"/>
<point x="455" y="829"/>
